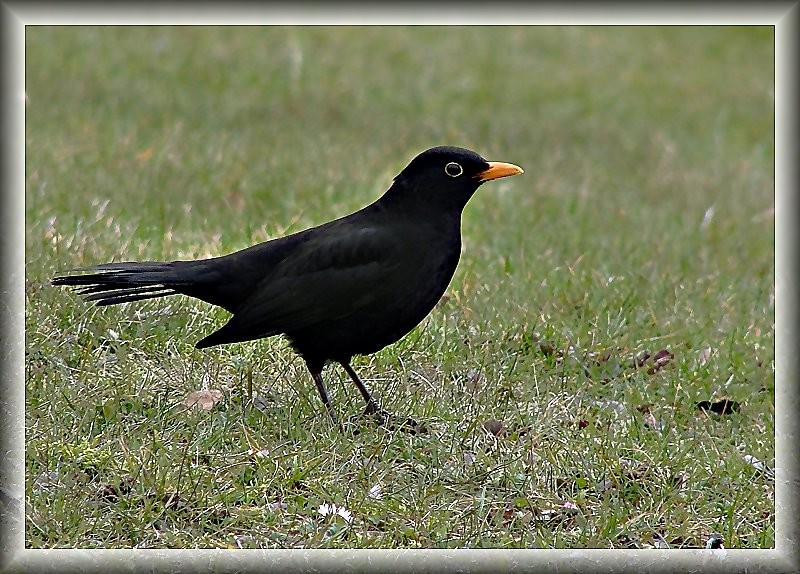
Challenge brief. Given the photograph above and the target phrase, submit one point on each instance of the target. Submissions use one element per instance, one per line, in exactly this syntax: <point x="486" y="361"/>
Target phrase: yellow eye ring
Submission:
<point x="453" y="169"/>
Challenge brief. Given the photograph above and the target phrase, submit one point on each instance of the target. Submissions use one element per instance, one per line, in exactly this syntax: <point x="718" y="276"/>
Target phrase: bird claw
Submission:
<point x="391" y="421"/>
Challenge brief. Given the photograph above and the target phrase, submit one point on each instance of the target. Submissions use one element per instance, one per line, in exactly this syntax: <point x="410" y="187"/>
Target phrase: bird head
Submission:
<point x="447" y="175"/>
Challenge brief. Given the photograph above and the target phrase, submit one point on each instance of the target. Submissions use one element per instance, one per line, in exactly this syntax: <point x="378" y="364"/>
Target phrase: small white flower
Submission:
<point x="375" y="491"/>
<point x="326" y="509"/>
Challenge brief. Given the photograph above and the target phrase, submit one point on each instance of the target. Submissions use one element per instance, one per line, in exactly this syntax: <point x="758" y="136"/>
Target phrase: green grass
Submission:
<point x="171" y="143"/>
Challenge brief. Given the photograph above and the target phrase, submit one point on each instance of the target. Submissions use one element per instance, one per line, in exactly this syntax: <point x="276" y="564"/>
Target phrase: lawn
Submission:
<point x="573" y="377"/>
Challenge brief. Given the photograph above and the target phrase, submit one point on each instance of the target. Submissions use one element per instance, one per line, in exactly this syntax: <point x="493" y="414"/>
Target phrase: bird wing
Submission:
<point x="328" y="276"/>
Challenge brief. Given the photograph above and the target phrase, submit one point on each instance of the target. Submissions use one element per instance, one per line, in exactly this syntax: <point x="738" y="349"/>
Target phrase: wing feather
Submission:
<point x="327" y="277"/>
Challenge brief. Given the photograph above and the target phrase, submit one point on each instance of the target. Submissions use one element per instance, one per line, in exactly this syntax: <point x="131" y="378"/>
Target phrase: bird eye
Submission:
<point x="453" y="169"/>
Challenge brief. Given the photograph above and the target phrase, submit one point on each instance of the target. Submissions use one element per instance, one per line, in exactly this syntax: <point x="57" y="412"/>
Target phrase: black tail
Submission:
<point x="125" y="282"/>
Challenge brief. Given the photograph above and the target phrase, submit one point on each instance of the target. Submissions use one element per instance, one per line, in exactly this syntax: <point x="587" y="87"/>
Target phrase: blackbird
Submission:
<point x="348" y="287"/>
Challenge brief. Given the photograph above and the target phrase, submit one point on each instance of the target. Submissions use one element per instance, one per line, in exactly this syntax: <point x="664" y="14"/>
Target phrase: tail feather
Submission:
<point x="124" y="282"/>
<point x="123" y="296"/>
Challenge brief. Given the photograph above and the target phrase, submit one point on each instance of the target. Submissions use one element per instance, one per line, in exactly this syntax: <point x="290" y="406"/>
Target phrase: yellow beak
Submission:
<point x="499" y="169"/>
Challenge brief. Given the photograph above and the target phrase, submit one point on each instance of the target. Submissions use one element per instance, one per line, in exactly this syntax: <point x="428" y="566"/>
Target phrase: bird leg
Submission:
<point x="383" y="417"/>
<point x="323" y="393"/>
<point x="372" y="404"/>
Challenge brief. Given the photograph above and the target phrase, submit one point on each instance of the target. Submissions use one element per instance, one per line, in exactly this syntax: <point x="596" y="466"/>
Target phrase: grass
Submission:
<point x="643" y="223"/>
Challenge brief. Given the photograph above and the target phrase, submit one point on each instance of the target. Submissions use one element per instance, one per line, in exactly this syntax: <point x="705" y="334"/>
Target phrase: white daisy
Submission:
<point x="326" y="509"/>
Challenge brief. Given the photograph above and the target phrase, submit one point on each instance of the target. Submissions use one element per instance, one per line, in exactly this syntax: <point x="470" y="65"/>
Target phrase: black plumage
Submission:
<point x="348" y="287"/>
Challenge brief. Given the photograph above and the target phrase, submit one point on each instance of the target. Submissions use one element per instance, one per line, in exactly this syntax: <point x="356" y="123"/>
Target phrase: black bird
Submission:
<point x="348" y="287"/>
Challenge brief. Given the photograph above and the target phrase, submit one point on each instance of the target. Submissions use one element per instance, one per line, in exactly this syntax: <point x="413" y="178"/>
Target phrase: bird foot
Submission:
<point x="393" y="422"/>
